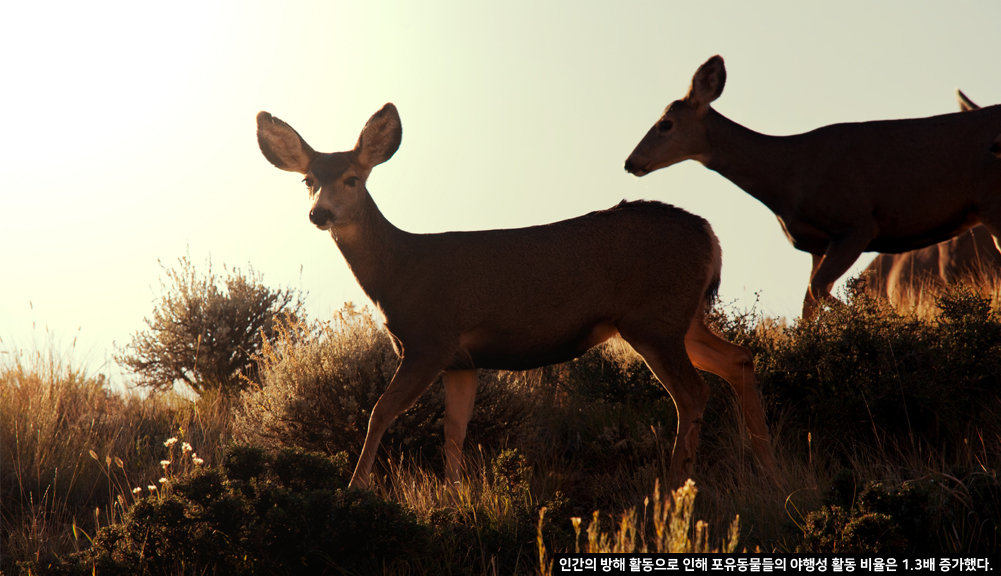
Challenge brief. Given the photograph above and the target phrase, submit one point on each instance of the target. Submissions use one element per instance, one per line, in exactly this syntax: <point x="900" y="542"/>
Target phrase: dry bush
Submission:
<point x="320" y="381"/>
<point x="206" y="329"/>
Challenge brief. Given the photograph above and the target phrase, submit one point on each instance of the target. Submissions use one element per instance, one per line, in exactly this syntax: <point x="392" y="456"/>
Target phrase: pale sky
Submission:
<point x="129" y="130"/>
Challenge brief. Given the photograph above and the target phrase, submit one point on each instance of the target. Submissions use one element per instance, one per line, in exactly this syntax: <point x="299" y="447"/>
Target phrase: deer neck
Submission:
<point x="757" y="163"/>
<point x="372" y="248"/>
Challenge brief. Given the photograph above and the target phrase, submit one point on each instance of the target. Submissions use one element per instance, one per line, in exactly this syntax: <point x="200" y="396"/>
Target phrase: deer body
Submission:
<point x="523" y="298"/>
<point x="970" y="256"/>
<point x="884" y="186"/>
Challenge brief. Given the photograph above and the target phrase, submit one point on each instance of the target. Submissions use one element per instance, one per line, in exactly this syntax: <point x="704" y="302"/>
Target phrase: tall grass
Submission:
<point x="72" y="450"/>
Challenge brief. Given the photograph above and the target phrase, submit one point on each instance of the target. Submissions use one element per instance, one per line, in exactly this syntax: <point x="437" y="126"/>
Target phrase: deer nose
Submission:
<point x="320" y="216"/>
<point x="629" y="165"/>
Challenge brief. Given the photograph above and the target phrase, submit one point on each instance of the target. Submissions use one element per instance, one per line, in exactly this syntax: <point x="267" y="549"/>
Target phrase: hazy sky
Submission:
<point x="129" y="128"/>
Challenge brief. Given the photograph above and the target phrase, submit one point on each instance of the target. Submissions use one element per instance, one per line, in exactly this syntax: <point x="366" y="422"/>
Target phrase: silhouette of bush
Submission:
<point x="283" y="512"/>
<point x="863" y="371"/>
<point x="205" y="329"/>
<point x="320" y="381"/>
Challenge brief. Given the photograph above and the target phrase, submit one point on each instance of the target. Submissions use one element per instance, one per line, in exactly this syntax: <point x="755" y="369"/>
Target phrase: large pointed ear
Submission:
<point x="707" y="85"/>
<point x="282" y="145"/>
<point x="965" y="104"/>
<point x="380" y="138"/>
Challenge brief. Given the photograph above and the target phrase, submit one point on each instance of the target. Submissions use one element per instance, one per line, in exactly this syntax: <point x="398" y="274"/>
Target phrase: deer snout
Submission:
<point x="633" y="168"/>
<point x="320" y="216"/>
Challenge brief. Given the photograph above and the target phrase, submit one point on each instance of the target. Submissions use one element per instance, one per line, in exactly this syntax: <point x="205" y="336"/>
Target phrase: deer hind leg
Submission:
<point x="415" y="374"/>
<point x="460" y="395"/>
<point x="810" y="303"/>
<point x="735" y="364"/>
<point x="667" y="359"/>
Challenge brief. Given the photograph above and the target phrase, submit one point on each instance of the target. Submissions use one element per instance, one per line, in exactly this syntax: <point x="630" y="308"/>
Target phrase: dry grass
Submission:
<point x="73" y="450"/>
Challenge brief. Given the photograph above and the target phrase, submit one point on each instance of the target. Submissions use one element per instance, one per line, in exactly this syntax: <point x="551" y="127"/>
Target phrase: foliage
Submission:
<point x="205" y="329"/>
<point x="960" y="512"/>
<point x="285" y="512"/>
<point x="320" y="381"/>
<point x="909" y="405"/>
<point x="863" y="371"/>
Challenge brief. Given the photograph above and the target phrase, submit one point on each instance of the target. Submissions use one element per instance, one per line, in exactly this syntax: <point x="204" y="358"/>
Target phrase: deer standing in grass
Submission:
<point x="523" y="298"/>
<point x="970" y="256"/>
<point x="844" y="189"/>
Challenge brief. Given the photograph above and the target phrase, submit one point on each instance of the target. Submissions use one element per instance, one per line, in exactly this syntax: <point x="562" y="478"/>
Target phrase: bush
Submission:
<point x="206" y="329"/>
<point x="320" y="381"/>
<point x="283" y="512"/>
<point x="863" y="371"/>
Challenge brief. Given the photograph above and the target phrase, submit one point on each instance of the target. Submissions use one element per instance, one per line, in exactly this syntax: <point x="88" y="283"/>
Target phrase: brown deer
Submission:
<point x="523" y="298"/>
<point x="840" y="190"/>
<point x="970" y="256"/>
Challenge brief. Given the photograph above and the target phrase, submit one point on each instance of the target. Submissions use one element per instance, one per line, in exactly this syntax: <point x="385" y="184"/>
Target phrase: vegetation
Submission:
<point x="205" y="330"/>
<point x="887" y="426"/>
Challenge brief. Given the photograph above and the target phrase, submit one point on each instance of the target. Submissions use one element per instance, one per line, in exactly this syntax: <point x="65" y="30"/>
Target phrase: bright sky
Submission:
<point x="129" y="129"/>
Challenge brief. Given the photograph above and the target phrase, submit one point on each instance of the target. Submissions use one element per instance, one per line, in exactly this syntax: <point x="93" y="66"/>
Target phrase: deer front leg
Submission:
<point x="460" y="395"/>
<point x="412" y="378"/>
<point x="841" y="253"/>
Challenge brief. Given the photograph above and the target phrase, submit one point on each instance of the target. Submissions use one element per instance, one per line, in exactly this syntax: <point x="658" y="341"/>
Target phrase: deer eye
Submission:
<point x="309" y="183"/>
<point x="665" y="125"/>
<point x="352" y="181"/>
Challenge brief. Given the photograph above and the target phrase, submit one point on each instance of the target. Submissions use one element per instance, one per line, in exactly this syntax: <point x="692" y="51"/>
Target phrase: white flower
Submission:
<point x="198" y="461"/>
<point x="186" y="448"/>
<point x="163" y="480"/>
<point x="151" y="488"/>
<point x="170" y="442"/>
<point x="137" y="490"/>
<point x="165" y="463"/>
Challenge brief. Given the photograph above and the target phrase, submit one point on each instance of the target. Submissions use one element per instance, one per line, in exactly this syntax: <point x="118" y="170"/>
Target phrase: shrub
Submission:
<point x="862" y="370"/>
<point x="206" y="329"/>
<point x="283" y="512"/>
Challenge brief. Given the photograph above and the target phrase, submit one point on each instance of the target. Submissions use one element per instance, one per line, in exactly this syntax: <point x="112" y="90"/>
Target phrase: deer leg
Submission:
<point x="460" y="395"/>
<point x="841" y="253"/>
<point x="415" y="374"/>
<point x="994" y="227"/>
<point x="668" y="360"/>
<point x="735" y="364"/>
<point x="809" y="302"/>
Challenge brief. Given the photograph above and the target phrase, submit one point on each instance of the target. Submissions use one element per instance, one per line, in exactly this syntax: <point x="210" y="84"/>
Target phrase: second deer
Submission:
<point x="523" y="298"/>
<point x="843" y="189"/>
<point x="969" y="257"/>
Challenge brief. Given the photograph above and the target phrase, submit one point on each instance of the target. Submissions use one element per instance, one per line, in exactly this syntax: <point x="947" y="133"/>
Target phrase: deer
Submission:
<point x="969" y="257"/>
<point x="843" y="189"/>
<point x="518" y="299"/>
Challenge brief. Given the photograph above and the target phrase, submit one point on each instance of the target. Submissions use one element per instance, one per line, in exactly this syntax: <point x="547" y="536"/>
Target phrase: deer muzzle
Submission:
<point x="320" y="217"/>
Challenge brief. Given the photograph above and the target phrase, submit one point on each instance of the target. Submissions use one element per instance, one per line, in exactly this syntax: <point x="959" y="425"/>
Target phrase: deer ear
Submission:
<point x="707" y="85"/>
<point x="380" y="138"/>
<point x="282" y="145"/>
